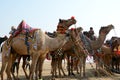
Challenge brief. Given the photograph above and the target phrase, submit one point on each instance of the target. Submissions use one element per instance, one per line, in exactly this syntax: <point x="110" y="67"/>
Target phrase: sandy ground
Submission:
<point x="90" y="73"/>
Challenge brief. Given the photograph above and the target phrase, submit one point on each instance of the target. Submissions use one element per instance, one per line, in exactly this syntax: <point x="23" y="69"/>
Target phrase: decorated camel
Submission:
<point x="59" y="55"/>
<point x="39" y="47"/>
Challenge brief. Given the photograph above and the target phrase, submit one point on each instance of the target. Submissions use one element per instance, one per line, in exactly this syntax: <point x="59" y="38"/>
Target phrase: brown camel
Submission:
<point x="58" y="56"/>
<point x="38" y="48"/>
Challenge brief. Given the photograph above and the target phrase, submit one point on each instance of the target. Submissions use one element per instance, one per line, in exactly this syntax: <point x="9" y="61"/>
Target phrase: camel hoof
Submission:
<point x="53" y="79"/>
<point x="78" y="73"/>
<point x="56" y="76"/>
<point x="73" y="74"/>
<point x="65" y="75"/>
<point x="96" y="74"/>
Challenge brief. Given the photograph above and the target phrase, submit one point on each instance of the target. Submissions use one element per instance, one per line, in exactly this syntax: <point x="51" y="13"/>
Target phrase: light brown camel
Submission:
<point x="39" y="48"/>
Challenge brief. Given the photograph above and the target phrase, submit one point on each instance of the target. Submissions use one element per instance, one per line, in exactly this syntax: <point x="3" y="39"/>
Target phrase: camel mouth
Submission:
<point x="74" y="22"/>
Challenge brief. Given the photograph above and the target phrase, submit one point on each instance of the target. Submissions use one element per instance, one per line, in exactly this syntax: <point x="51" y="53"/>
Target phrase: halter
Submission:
<point x="61" y="29"/>
<point x="114" y="32"/>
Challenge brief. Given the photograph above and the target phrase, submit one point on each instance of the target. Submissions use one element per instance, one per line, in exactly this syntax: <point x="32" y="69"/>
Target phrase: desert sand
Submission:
<point x="90" y="73"/>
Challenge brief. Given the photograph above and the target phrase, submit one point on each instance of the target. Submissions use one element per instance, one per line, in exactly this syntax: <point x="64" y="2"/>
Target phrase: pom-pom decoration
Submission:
<point x="72" y="29"/>
<point x="72" y="17"/>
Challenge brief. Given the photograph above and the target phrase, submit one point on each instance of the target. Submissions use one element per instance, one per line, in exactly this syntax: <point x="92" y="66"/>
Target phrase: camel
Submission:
<point x="58" y="56"/>
<point x="39" y="48"/>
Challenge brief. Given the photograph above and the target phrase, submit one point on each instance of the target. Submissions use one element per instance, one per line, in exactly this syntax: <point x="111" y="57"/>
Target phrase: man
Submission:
<point x="91" y="33"/>
<point x="13" y="29"/>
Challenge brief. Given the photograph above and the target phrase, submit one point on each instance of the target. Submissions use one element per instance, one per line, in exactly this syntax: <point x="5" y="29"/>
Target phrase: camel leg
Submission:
<point x="11" y="59"/>
<point x="41" y="60"/>
<point x="12" y="70"/>
<point x="23" y="67"/>
<point x="80" y="66"/>
<point x="33" y="65"/>
<point x="60" y="63"/>
<point x="72" y="66"/>
<point x="77" y="66"/>
<point x="17" y="67"/>
<point x="68" y="65"/>
<point x="4" y="63"/>
<point x="54" y="68"/>
<point x="84" y="61"/>
<point x="39" y="66"/>
<point x="59" y="68"/>
<point x="36" y="70"/>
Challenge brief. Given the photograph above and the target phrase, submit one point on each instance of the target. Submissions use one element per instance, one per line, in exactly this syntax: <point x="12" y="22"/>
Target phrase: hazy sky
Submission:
<point x="45" y="14"/>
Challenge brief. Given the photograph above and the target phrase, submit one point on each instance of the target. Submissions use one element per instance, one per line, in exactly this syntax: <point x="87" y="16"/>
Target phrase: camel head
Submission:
<point x="74" y="37"/>
<point x="5" y="37"/>
<point x="63" y="24"/>
<point x="74" y="33"/>
<point x="106" y="29"/>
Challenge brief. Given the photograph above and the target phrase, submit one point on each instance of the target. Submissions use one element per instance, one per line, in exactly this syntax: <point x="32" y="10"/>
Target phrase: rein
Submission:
<point x="114" y="32"/>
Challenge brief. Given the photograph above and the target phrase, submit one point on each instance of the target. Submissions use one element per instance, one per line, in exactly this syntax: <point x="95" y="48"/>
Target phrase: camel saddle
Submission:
<point x="23" y="28"/>
<point x="26" y="30"/>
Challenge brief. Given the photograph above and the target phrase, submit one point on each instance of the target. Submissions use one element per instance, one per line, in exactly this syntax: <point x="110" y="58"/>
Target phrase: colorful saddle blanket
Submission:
<point x="23" y="27"/>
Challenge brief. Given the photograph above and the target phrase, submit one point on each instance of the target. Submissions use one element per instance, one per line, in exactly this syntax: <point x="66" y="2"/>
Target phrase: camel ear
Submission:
<point x="5" y="36"/>
<point x="60" y="20"/>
